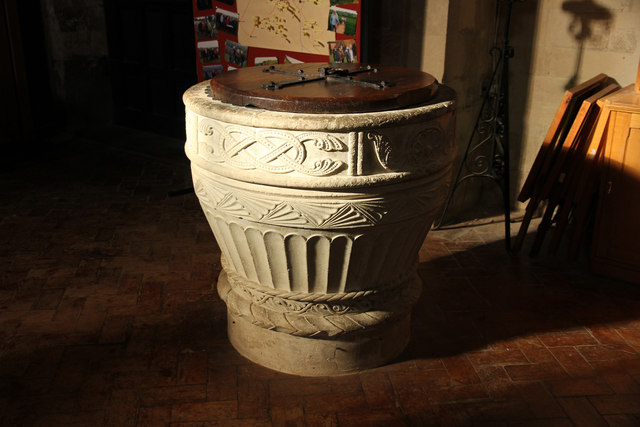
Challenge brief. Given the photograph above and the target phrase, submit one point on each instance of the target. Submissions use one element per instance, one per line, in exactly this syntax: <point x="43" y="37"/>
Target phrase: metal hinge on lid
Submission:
<point x="328" y="74"/>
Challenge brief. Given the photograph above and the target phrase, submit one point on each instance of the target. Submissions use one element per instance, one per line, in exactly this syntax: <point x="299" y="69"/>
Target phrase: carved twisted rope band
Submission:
<point x="316" y="315"/>
<point x="276" y="151"/>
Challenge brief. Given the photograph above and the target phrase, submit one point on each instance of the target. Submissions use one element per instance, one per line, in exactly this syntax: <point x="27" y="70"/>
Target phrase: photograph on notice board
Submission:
<point x="288" y="59"/>
<point x="266" y="60"/>
<point x="343" y="51"/>
<point x="210" y="71"/>
<point x="205" y="27"/>
<point x="227" y="21"/>
<point x="209" y="51"/>
<point x="236" y="53"/>
<point x="343" y="21"/>
<point x="204" y="4"/>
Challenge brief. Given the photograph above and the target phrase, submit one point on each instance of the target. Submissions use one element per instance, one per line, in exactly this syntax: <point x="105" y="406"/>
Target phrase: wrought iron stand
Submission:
<point x="487" y="156"/>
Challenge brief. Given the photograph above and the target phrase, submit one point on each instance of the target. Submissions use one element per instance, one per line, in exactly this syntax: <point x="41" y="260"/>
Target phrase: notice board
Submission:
<point x="231" y="34"/>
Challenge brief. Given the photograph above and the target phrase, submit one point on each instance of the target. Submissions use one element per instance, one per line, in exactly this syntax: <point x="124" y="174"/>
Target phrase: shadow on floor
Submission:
<point x="478" y="296"/>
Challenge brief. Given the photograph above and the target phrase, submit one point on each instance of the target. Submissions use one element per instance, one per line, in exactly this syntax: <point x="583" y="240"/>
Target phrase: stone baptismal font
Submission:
<point x="320" y="184"/>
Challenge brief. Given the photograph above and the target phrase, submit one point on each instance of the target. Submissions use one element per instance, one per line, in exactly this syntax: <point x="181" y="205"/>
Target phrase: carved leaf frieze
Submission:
<point x="382" y="146"/>
<point x="324" y="142"/>
<point x="426" y="150"/>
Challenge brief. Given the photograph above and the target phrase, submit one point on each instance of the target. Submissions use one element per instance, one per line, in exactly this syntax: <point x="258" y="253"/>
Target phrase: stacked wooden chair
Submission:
<point x="564" y="178"/>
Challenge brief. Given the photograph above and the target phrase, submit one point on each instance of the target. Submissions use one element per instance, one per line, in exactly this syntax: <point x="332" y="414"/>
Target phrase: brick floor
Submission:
<point x="108" y="316"/>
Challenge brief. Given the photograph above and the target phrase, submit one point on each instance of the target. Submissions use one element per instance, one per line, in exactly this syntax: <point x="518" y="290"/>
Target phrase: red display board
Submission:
<point x="232" y="34"/>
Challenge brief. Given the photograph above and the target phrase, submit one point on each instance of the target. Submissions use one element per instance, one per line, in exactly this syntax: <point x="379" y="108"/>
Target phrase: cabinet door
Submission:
<point x="617" y="245"/>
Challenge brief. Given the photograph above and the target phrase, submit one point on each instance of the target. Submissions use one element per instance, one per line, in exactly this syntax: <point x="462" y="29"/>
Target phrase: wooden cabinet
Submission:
<point x="616" y="245"/>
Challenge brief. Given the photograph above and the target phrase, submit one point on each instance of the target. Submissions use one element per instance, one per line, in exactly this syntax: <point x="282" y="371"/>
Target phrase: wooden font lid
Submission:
<point x="325" y="88"/>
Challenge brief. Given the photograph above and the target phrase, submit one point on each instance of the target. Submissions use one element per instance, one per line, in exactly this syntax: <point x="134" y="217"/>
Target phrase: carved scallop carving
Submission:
<point x="329" y="212"/>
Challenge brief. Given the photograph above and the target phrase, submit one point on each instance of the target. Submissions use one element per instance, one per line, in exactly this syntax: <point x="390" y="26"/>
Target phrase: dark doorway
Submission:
<point x="152" y="62"/>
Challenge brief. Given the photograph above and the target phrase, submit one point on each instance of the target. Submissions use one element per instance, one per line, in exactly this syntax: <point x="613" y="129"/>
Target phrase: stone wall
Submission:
<point x="467" y="69"/>
<point x="76" y="37"/>
<point x="557" y="44"/>
<point x="574" y="41"/>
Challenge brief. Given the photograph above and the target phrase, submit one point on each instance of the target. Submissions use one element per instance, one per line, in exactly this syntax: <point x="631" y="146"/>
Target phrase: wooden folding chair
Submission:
<point x="574" y="164"/>
<point x="550" y="149"/>
<point x="587" y="188"/>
